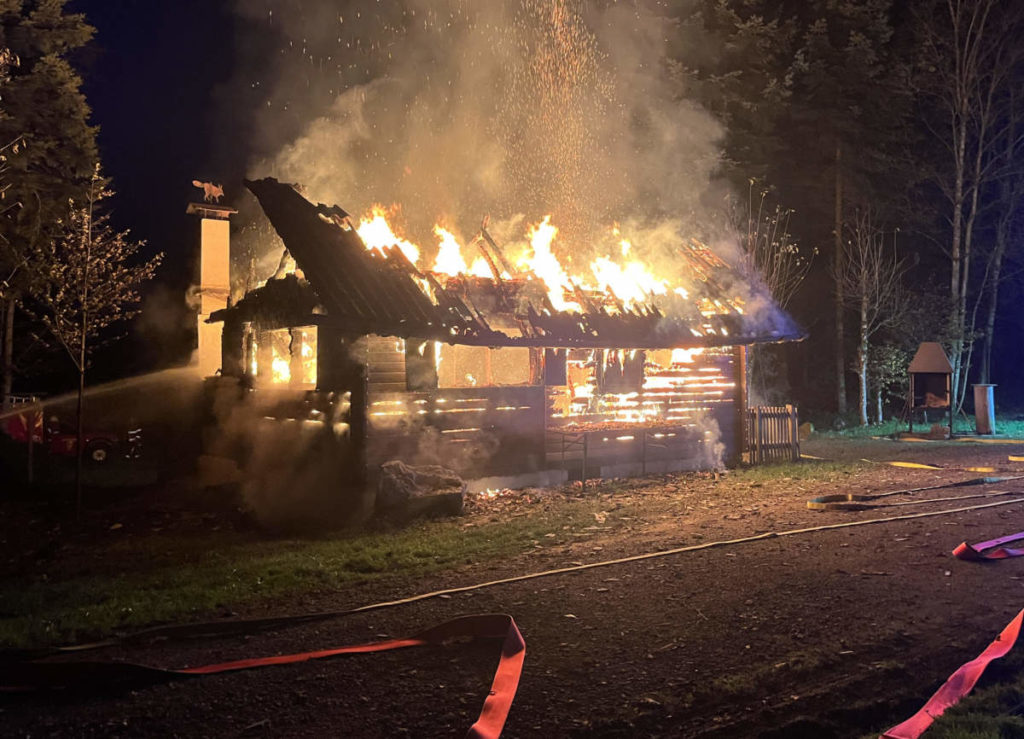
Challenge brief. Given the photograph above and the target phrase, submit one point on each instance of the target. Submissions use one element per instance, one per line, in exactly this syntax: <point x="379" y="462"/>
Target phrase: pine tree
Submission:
<point x="745" y="82"/>
<point x="849" y="104"/>
<point x="44" y="108"/>
<point x="815" y="100"/>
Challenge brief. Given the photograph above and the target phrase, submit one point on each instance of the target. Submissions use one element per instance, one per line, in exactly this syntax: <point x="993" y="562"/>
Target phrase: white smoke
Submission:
<point x="512" y="108"/>
<point x="461" y="108"/>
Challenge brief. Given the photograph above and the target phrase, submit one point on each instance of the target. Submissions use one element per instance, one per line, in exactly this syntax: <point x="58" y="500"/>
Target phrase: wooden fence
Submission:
<point x="772" y="434"/>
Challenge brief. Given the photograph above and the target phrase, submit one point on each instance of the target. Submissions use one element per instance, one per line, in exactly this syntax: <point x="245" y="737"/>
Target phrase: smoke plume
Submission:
<point x="457" y="108"/>
<point x="516" y="109"/>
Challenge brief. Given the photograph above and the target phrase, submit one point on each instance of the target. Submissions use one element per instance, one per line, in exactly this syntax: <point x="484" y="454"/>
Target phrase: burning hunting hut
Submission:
<point x="505" y="371"/>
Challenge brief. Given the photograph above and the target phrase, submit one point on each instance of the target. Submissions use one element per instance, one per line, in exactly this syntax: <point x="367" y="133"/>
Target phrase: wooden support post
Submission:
<point x="739" y="367"/>
<point x="910" y="405"/>
<point x="949" y="395"/>
<point x="584" y="461"/>
<point x="757" y="435"/>
<point x="794" y="433"/>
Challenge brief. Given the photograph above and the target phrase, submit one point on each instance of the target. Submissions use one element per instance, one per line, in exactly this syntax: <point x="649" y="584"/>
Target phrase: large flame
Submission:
<point x="449" y="254"/>
<point x="543" y="262"/>
<point x="376" y="233"/>
<point x="631" y="283"/>
<point x="619" y="282"/>
<point x="450" y="260"/>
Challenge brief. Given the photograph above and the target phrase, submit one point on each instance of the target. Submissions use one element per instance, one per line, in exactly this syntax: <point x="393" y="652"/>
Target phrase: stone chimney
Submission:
<point x="214" y="280"/>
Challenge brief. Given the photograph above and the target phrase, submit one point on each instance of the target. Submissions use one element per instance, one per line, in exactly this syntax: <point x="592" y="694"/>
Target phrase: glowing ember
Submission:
<point x="280" y="370"/>
<point x="685" y="356"/>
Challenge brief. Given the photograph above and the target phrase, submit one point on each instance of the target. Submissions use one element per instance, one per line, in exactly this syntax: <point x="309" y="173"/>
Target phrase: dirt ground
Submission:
<point x="828" y="634"/>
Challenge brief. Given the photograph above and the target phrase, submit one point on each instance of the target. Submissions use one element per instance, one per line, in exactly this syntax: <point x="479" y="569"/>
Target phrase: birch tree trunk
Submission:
<point x="862" y="358"/>
<point x="990" y="317"/>
<point x="1009" y="195"/>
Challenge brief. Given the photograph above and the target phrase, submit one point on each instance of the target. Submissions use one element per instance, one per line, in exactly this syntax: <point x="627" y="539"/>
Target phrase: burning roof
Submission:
<point x="367" y="280"/>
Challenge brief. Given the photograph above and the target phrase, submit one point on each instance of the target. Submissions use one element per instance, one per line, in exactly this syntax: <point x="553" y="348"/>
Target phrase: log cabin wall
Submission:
<point x="682" y="414"/>
<point x="588" y="412"/>
<point x="478" y="432"/>
<point x="463" y="428"/>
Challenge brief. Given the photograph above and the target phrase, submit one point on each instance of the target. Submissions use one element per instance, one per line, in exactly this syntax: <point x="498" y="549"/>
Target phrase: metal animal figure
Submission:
<point x="211" y="193"/>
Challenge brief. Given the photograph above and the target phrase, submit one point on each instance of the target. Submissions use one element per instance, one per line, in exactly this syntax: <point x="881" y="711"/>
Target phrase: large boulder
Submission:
<point x="404" y="491"/>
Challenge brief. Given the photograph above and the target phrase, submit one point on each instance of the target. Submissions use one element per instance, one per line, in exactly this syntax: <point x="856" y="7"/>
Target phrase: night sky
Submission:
<point x="157" y="77"/>
<point x="152" y="76"/>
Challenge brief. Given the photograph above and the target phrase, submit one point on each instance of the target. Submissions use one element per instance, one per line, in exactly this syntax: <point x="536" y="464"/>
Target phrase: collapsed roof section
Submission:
<point x="371" y="291"/>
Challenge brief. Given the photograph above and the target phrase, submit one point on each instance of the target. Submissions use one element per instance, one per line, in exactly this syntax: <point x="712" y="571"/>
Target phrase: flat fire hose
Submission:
<point x="959" y="684"/>
<point x="28" y="676"/>
<point x="987" y="551"/>
<point x="851" y="502"/>
<point x="858" y="502"/>
<point x="922" y="466"/>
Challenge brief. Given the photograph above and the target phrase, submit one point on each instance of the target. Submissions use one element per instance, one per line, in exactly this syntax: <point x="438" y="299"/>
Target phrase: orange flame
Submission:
<point x="546" y="266"/>
<point x="376" y="233"/>
<point x="449" y="254"/>
<point x="630" y="281"/>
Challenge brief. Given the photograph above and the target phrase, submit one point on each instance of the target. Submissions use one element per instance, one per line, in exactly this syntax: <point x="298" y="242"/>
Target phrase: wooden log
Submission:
<point x="506" y="266"/>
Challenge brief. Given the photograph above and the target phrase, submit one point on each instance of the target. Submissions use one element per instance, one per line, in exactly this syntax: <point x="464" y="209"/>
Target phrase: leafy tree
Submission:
<point x="87" y="280"/>
<point x="744" y="80"/>
<point x="43" y="106"/>
<point x="888" y="375"/>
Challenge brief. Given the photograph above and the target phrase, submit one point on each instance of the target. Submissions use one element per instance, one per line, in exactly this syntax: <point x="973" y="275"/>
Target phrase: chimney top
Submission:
<point x="211" y="210"/>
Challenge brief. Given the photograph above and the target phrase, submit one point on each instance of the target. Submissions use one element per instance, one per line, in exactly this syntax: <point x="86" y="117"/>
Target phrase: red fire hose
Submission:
<point x="989" y="550"/>
<point x="959" y="684"/>
<point x="26" y="676"/>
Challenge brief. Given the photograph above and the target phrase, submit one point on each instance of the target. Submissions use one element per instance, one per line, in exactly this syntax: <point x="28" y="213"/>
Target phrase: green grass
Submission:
<point x="988" y="713"/>
<point x="808" y="469"/>
<point x="157" y="579"/>
<point x="961" y="425"/>
<point x="141" y="579"/>
<point x="993" y="710"/>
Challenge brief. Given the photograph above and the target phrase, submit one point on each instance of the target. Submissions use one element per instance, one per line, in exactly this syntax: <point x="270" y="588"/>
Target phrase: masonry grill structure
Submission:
<point x="484" y="375"/>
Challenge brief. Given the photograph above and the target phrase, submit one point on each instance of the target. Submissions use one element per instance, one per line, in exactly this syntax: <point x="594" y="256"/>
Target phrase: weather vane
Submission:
<point x="211" y="193"/>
